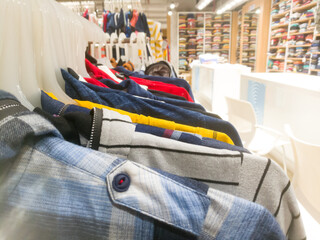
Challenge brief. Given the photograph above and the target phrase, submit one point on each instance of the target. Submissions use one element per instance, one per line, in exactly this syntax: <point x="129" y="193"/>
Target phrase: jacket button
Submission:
<point x="121" y="182"/>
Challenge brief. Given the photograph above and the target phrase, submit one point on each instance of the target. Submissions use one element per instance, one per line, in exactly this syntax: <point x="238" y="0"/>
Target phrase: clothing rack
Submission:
<point x="32" y="58"/>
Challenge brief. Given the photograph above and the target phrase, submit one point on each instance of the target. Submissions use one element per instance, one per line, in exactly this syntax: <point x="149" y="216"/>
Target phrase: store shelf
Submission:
<point x="279" y="26"/>
<point x="305" y="7"/>
<point x="217" y="50"/>
<point x="275" y="58"/>
<point x="307" y="32"/>
<point x="280" y="15"/>
<point x="297" y="59"/>
<point x="315" y="52"/>
<point x="303" y="20"/>
<point x="295" y="46"/>
<point x="277" y="4"/>
<point x="248" y="50"/>
<point x="274" y="70"/>
<point x="277" y="47"/>
<point x="279" y="36"/>
<point x="315" y="70"/>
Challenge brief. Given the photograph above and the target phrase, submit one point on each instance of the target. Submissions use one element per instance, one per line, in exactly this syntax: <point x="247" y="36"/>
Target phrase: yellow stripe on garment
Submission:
<point x="157" y="122"/>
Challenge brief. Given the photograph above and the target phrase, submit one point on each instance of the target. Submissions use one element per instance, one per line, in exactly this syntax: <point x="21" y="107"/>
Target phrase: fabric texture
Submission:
<point x="98" y="74"/>
<point x="175" y="81"/>
<point x="51" y="105"/>
<point x="248" y="176"/>
<point x="53" y="189"/>
<point x="88" y="92"/>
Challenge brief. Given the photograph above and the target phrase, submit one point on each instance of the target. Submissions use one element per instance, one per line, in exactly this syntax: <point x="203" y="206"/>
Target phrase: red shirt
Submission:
<point x="97" y="73"/>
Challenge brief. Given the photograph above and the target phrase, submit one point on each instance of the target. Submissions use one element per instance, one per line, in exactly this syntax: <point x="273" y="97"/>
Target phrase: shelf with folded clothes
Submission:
<point x="279" y="36"/>
<point x="303" y="20"/>
<point x="279" y="26"/>
<point x="277" y="47"/>
<point x="275" y="70"/>
<point x="280" y="15"/>
<point x="298" y="59"/>
<point x="277" y="4"/>
<point x="276" y="58"/>
<point x="297" y="46"/>
<point x="217" y="50"/>
<point x="304" y="7"/>
<point x="299" y="33"/>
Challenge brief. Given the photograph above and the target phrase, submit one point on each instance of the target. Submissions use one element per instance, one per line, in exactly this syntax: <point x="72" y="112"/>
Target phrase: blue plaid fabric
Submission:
<point x="53" y="189"/>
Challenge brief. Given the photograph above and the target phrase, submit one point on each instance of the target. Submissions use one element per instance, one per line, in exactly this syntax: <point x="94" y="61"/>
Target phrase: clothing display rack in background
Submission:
<point x="294" y="40"/>
<point x="201" y="33"/>
<point x="119" y="154"/>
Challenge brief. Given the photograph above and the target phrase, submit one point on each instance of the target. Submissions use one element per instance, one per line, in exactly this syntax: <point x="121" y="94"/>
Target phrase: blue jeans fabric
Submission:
<point x="188" y="138"/>
<point x="133" y="88"/>
<point x="88" y="92"/>
<point x="176" y="81"/>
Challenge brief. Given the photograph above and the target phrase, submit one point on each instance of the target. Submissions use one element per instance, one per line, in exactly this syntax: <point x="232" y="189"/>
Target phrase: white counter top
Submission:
<point x="303" y="81"/>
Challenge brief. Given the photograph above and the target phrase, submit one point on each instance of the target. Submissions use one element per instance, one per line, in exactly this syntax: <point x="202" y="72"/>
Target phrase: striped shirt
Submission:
<point x="248" y="176"/>
<point x="156" y="40"/>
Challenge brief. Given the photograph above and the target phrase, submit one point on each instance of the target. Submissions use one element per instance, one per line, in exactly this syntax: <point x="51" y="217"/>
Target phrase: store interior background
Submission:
<point x="267" y="63"/>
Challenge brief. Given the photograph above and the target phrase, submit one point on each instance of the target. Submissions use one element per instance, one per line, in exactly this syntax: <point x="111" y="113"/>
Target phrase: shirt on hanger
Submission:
<point x="156" y="40"/>
<point x="175" y="81"/>
<point x="248" y="176"/>
<point x="97" y="73"/>
<point x="88" y="92"/>
<point x="51" y="105"/>
<point x="51" y="189"/>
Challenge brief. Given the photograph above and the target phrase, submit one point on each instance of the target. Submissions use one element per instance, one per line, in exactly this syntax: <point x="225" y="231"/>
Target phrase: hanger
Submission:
<point x="122" y="38"/>
<point x="134" y="51"/>
<point x="141" y="40"/>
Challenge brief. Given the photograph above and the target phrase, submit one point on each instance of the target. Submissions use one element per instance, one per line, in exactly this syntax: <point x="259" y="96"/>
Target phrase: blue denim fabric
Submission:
<point x="88" y="92"/>
<point x="133" y="88"/>
<point x="175" y="81"/>
<point x="188" y="138"/>
<point x="52" y="189"/>
<point x="55" y="107"/>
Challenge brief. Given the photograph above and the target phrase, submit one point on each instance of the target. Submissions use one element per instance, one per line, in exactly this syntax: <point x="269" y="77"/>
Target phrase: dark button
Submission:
<point x="121" y="182"/>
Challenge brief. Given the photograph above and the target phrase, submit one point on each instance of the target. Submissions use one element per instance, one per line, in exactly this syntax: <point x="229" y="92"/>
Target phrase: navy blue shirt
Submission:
<point x="121" y="100"/>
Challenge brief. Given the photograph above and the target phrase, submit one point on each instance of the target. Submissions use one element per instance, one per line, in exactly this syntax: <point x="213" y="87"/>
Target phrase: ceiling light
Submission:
<point x="170" y="13"/>
<point x="202" y="4"/>
<point x="258" y="11"/>
<point x="172" y="6"/>
<point x="129" y="6"/>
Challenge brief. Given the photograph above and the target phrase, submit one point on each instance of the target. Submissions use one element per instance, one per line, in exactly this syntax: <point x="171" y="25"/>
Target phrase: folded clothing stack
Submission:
<point x="281" y="53"/>
<point x="208" y="21"/>
<point x="191" y="21"/>
<point x="226" y="27"/>
<point x="217" y="39"/>
<point x="217" y="32"/>
<point x="294" y="28"/>
<point x="290" y="65"/>
<point x="217" y="17"/>
<point x="301" y="52"/>
<point x="276" y="65"/>
<point x="217" y="25"/>
<point x="298" y="66"/>
<point x="252" y="46"/>
<point x="282" y="7"/>
<point x="292" y="40"/>
<point x="215" y="46"/>
<point x="182" y="22"/>
<point x="281" y="66"/>
<point x="315" y="46"/>
<point x="296" y="3"/>
<point x="303" y="27"/>
<point x="274" y="42"/>
<point x="291" y="52"/>
<point x="225" y="37"/>
<point x="191" y="32"/>
<point x="300" y="39"/>
<point x="274" y="12"/>
<point x="200" y="19"/>
<point x="295" y="16"/>
<point x="225" y="46"/>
